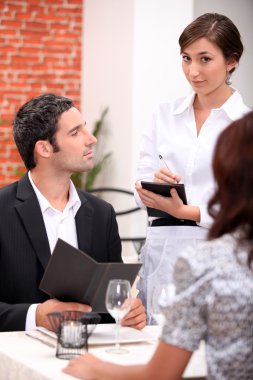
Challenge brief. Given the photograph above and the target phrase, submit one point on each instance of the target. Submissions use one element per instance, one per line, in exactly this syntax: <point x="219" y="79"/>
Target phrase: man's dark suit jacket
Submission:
<point x="25" y="251"/>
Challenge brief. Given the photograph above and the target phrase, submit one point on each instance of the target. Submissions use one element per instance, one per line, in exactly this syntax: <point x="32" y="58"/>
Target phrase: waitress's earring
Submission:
<point x="228" y="79"/>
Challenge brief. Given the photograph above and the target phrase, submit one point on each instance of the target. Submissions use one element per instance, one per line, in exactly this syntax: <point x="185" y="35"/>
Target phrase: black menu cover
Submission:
<point x="72" y="275"/>
<point x="163" y="189"/>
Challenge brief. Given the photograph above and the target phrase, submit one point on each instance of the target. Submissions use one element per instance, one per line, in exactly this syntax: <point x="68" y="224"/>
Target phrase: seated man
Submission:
<point x="43" y="206"/>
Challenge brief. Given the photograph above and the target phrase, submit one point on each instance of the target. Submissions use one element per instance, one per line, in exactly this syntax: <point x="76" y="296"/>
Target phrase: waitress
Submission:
<point x="184" y="132"/>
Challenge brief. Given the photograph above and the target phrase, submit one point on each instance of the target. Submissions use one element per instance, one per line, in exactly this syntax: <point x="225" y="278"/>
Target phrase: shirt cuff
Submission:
<point x="205" y="219"/>
<point x="30" y="323"/>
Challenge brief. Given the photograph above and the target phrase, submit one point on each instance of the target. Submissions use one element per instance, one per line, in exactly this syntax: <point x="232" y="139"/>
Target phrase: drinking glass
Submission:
<point x="161" y="295"/>
<point x="118" y="303"/>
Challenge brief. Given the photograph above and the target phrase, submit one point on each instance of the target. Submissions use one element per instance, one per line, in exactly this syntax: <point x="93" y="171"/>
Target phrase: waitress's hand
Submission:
<point x="172" y="205"/>
<point x="165" y="175"/>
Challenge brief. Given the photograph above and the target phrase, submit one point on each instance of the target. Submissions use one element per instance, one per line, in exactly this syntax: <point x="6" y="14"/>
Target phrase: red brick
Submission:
<point x="15" y="7"/>
<point x="7" y="49"/>
<point x="24" y="60"/>
<point x="52" y="16"/>
<point x="28" y="50"/>
<point x="7" y="31"/>
<point x="52" y="29"/>
<point x="32" y="33"/>
<point x="75" y="2"/>
<point x="34" y="41"/>
<point x="11" y="23"/>
<point x="26" y="16"/>
<point x="49" y="2"/>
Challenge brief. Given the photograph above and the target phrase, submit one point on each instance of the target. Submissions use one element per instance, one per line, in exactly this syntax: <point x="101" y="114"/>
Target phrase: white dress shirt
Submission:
<point x="173" y="134"/>
<point x="58" y="224"/>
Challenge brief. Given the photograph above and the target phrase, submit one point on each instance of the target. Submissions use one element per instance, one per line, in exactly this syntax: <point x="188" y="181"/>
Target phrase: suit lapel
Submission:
<point x="84" y="224"/>
<point x="28" y="208"/>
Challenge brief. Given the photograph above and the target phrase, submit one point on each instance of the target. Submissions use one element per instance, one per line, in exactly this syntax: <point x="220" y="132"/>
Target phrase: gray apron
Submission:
<point x="159" y="254"/>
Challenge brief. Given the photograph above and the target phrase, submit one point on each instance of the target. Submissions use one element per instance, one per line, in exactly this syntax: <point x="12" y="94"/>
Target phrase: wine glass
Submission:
<point x="118" y="303"/>
<point x="161" y="295"/>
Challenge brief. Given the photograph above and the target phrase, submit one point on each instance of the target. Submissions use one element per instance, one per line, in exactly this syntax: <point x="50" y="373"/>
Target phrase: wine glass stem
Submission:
<point x="117" y="335"/>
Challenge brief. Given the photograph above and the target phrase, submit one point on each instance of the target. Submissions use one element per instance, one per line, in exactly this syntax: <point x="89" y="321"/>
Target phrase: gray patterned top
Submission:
<point x="214" y="302"/>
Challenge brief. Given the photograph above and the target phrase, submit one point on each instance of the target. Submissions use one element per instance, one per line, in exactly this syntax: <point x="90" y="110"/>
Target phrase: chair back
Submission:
<point x="130" y="217"/>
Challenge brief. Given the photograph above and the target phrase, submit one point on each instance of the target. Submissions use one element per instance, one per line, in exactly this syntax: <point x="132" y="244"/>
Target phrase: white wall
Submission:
<point x="107" y="80"/>
<point x="157" y="63"/>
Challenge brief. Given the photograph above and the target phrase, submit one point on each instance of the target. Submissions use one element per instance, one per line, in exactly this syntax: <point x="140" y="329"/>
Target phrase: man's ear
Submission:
<point x="43" y="148"/>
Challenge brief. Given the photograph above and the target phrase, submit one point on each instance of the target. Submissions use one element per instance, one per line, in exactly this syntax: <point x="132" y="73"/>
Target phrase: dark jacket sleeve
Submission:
<point x="20" y="266"/>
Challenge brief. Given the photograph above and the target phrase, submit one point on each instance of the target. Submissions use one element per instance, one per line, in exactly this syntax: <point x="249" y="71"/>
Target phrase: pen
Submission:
<point x="162" y="159"/>
<point x="164" y="162"/>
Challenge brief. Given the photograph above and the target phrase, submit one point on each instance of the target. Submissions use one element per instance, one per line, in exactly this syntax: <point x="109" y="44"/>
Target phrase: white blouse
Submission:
<point x="172" y="134"/>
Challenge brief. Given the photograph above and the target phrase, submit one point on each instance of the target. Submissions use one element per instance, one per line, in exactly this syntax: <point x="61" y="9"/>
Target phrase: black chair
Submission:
<point x="114" y="196"/>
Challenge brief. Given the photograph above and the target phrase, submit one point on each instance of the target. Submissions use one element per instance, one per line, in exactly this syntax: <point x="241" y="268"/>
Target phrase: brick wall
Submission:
<point x="40" y="51"/>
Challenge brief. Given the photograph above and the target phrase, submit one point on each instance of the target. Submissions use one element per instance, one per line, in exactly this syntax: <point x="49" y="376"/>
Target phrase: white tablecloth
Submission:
<point x="23" y="358"/>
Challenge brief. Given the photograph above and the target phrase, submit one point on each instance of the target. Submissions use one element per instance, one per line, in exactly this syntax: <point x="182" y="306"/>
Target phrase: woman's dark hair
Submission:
<point x="38" y="120"/>
<point x="231" y="206"/>
<point x="217" y="29"/>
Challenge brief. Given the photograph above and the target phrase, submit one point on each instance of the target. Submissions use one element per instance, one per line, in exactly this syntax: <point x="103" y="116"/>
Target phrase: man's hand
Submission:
<point x="136" y="317"/>
<point x="54" y="305"/>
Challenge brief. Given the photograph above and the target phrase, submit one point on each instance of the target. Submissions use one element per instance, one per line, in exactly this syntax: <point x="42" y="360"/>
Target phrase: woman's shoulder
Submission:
<point x="208" y="249"/>
<point x="206" y="261"/>
<point x="235" y="106"/>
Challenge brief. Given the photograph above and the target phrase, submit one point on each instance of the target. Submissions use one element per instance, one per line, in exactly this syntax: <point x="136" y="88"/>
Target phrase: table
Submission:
<point x="23" y="358"/>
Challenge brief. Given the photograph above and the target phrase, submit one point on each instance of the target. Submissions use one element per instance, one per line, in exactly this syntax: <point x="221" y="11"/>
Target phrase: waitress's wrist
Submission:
<point x="189" y="212"/>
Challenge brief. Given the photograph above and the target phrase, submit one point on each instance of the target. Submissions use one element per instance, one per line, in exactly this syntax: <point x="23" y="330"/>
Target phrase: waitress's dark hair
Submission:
<point x="231" y="206"/>
<point x="217" y="29"/>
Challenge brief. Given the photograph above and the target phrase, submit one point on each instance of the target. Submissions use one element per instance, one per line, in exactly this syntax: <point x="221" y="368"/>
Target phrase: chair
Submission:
<point x="118" y="197"/>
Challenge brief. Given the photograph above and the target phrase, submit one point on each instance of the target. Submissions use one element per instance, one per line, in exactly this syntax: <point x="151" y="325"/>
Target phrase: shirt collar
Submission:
<point x="184" y="104"/>
<point x="74" y="200"/>
<point x="232" y="107"/>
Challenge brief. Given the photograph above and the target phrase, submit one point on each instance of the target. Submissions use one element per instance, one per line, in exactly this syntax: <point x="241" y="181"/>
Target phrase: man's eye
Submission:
<point x="74" y="133"/>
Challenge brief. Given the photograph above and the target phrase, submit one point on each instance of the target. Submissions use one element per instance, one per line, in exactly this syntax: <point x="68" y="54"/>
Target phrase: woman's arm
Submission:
<point x="167" y="363"/>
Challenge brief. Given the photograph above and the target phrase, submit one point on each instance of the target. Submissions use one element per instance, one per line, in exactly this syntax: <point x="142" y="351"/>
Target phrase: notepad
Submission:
<point x="73" y="276"/>
<point x="163" y="189"/>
